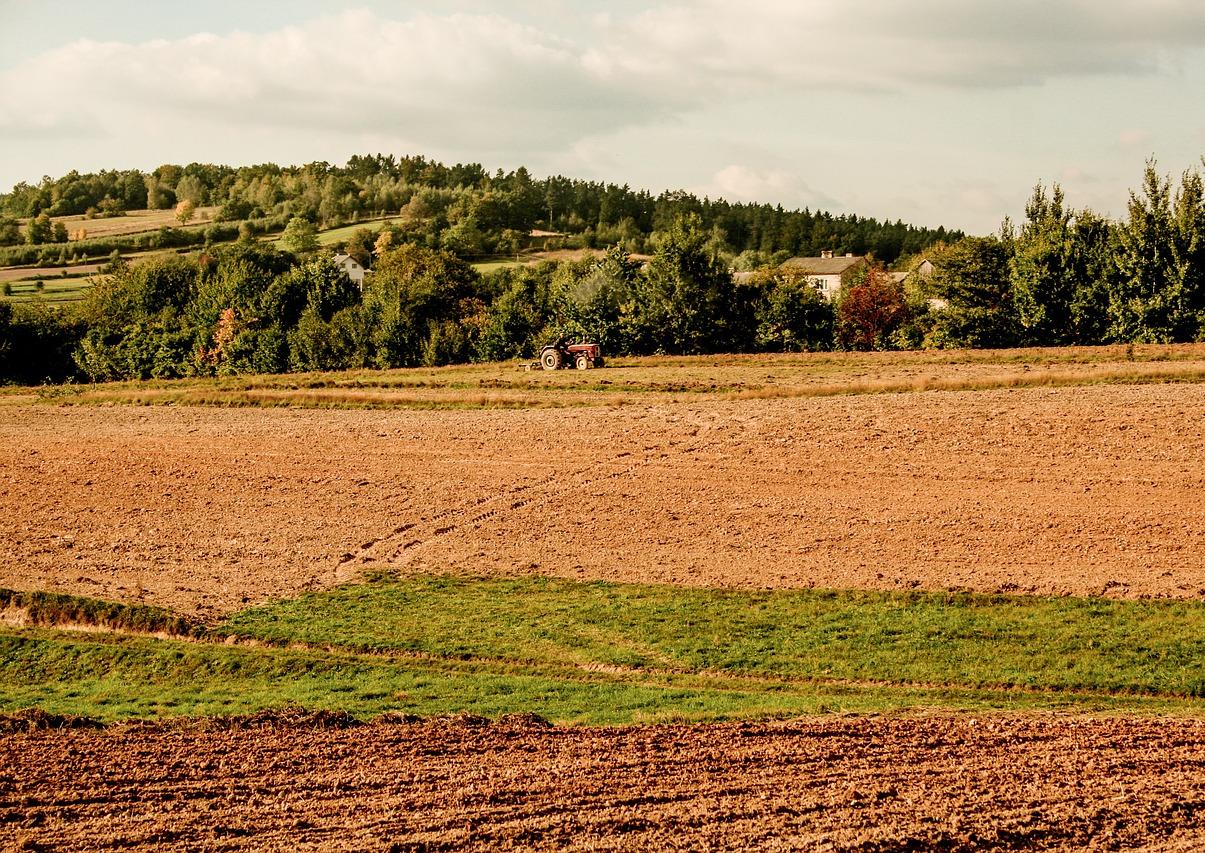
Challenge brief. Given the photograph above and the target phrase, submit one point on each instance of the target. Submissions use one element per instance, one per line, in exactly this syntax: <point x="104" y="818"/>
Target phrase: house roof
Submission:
<point x="343" y="259"/>
<point x="824" y="266"/>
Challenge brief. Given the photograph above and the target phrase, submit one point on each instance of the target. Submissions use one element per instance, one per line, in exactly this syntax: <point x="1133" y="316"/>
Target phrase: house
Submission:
<point x="826" y="271"/>
<point x="353" y="269"/>
<point x="920" y="273"/>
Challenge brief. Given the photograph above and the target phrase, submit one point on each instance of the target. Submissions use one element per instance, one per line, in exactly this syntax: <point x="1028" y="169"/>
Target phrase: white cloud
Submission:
<point x="737" y="182"/>
<point x="1134" y="137"/>
<point x="435" y="79"/>
<point x="756" y="101"/>
<point x="871" y="45"/>
<point x="440" y="80"/>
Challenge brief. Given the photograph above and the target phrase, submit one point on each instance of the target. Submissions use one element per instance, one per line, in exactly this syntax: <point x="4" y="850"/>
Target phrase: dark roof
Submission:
<point x="823" y="266"/>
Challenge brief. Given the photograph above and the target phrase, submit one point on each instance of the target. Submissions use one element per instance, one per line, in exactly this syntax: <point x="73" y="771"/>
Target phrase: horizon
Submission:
<point x="932" y="113"/>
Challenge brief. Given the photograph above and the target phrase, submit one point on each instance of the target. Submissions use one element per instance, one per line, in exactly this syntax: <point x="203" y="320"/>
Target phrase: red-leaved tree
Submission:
<point x="870" y="310"/>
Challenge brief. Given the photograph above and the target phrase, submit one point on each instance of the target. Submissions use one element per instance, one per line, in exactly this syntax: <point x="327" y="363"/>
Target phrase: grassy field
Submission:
<point x="613" y="653"/>
<point x="659" y="379"/>
<point x="55" y="289"/>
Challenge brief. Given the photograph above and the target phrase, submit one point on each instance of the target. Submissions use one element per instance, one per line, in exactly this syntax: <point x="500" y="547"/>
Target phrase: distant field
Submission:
<point x="32" y="274"/>
<point x="134" y="222"/>
<point x="335" y="235"/>
<point x="530" y="258"/>
<point x="55" y="288"/>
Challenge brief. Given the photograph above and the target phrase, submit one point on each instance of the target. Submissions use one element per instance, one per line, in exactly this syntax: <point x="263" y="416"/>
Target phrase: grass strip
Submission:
<point x="928" y="638"/>
<point x="609" y="653"/>
<point x="109" y="677"/>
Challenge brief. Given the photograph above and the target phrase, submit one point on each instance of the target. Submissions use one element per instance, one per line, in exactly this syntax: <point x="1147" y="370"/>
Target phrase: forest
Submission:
<point x="664" y="284"/>
<point x="462" y="208"/>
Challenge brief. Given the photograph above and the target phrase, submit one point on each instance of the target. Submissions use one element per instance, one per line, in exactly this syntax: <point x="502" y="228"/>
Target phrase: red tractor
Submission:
<point x="564" y="354"/>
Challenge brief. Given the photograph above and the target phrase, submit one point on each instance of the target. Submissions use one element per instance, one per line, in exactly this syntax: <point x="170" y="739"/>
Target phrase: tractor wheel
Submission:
<point x="551" y="359"/>
<point x="582" y="362"/>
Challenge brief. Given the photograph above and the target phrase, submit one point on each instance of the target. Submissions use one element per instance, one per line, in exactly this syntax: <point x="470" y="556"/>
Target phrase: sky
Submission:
<point x="936" y="112"/>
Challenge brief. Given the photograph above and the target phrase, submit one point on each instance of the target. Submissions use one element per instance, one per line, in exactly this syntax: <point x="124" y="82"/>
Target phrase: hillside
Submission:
<point x="463" y="208"/>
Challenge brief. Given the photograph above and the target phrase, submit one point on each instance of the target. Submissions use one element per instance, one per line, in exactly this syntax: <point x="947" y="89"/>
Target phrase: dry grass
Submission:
<point x="660" y="379"/>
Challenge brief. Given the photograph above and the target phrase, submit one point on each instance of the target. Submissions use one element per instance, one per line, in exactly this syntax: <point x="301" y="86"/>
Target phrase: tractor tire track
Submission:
<point x="546" y="490"/>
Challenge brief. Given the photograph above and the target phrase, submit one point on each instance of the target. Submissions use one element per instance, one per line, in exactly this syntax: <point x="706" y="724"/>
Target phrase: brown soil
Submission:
<point x="1090" y="490"/>
<point x="995" y="782"/>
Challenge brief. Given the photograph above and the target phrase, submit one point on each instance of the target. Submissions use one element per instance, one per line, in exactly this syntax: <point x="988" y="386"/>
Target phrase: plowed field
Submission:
<point x="830" y="784"/>
<point x="1082" y="490"/>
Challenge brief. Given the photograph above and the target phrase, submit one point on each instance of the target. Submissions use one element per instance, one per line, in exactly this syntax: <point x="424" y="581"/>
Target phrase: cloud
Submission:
<point x="1134" y="137"/>
<point x="441" y="80"/>
<point x="859" y="45"/>
<point x="744" y="183"/>
<point x="643" y="91"/>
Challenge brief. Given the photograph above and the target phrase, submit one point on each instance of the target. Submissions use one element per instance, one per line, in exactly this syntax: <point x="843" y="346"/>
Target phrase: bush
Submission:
<point x="37" y="342"/>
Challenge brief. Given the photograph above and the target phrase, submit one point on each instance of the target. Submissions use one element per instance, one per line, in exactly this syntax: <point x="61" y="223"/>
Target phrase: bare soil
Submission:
<point x="939" y="783"/>
<point x="1081" y="490"/>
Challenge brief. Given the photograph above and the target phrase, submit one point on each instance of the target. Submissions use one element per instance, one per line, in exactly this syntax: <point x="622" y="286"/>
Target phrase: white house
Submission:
<point x="353" y="269"/>
<point x="826" y="271"/>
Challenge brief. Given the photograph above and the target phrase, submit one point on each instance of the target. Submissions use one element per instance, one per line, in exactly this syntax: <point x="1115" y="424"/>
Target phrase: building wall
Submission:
<point x="828" y="285"/>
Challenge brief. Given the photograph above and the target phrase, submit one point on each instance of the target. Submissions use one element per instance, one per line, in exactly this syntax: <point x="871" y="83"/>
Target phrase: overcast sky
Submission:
<point x="938" y="112"/>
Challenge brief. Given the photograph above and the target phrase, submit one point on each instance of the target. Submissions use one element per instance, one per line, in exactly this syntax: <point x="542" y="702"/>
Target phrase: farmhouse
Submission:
<point x="826" y="271"/>
<point x="353" y="269"/>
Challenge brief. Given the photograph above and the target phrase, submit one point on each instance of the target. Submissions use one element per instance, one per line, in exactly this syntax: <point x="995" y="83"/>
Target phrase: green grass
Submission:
<point x="611" y="654"/>
<point x="335" y="235"/>
<point x="908" y="638"/>
<point x="113" y="677"/>
<point x="486" y="267"/>
<point x="55" y="289"/>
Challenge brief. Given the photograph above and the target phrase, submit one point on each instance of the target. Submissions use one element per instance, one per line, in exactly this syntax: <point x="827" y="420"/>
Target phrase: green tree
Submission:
<point x="593" y="299"/>
<point x="1093" y="259"/>
<point x="190" y="188"/>
<point x="1140" y="307"/>
<point x="40" y="230"/>
<point x="300" y="236"/>
<point x="972" y="281"/>
<point x="687" y="302"/>
<point x="1044" y="271"/>
<point x="1158" y="294"/>
<point x="159" y="196"/>
<point x="793" y="315"/>
<point x="518" y="315"/>
<point x="412" y="292"/>
<point x="37" y="343"/>
<point x="10" y="231"/>
<point x="1188" y="258"/>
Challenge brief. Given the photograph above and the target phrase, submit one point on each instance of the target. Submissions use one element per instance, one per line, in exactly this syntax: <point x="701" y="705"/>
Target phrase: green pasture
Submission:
<point x="617" y="653"/>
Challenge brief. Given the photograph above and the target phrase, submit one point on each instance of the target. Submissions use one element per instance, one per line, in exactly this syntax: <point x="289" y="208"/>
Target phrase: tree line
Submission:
<point x="1061" y="276"/>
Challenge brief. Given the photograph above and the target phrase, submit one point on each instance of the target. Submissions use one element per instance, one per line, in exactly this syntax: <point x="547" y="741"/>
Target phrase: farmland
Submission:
<point x="132" y="222"/>
<point x="832" y="592"/>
